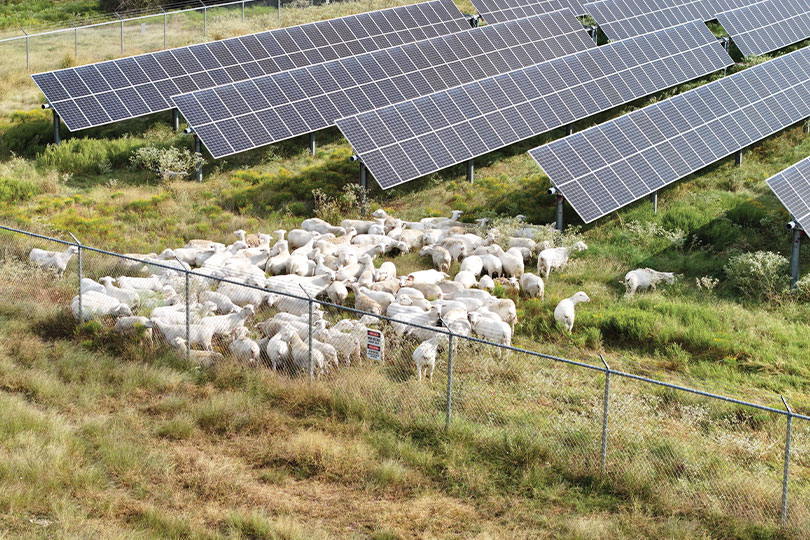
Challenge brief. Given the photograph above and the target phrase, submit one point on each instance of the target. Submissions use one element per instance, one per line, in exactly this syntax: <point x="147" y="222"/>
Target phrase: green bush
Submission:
<point x="16" y="190"/>
<point x="685" y="217"/>
<point x="27" y="134"/>
<point x="89" y="157"/>
<point x="759" y="275"/>
<point x="167" y="163"/>
<point x="748" y="214"/>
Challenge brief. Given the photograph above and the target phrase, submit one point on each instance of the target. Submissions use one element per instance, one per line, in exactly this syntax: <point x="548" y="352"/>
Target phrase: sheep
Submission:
<point x="449" y="288"/>
<point x="492" y="264"/>
<point x="455" y="247"/>
<point x="52" y="261"/>
<point x="176" y="314"/>
<point x="511" y="261"/>
<point x="564" y="312"/>
<point x="329" y="352"/>
<point x="412" y="238"/>
<point x="532" y="285"/>
<point x="390" y="285"/>
<point x="473" y="264"/>
<point x="486" y="283"/>
<point x="224" y="304"/>
<point x="505" y="309"/>
<point x="200" y="334"/>
<point x="337" y="292"/>
<point x="132" y="325"/>
<point x="511" y="285"/>
<point x="88" y="285"/>
<point x="365" y="303"/>
<point x="301" y="354"/>
<point x="152" y="283"/>
<point x="297" y="238"/>
<point x="440" y="256"/>
<point x="296" y="306"/>
<point x="521" y="242"/>
<point x="320" y="226"/>
<point x="243" y="348"/>
<point x="95" y="304"/>
<point x="129" y="297"/>
<point x="426" y="276"/>
<point x="387" y="270"/>
<point x="203" y="358"/>
<point x="466" y="279"/>
<point x="645" y="278"/>
<point x="242" y="296"/>
<point x="443" y="222"/>
<point x="278" y="351"/>
<point x="360" y="226"/>
<point x="225" y="324"/>
<point x="381" y="297"/>
<point x="491" y="329"/>
<point x="429" y="290"/>
<point x="277" y="264"/>
<point x="424" y="356"/>
<point x="554" y="258"/>
<point x="346" y="345"/>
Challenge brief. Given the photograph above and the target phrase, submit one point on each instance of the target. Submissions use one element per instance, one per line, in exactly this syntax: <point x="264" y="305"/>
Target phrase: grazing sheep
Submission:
<point x="564" y="312"/>
<point x="153" y="283"/>
<point x="200" y="334"/>
<point x="486" y="283"/>
<point x="205" y="358"/>
<point x="429" y="290"/>
<point x="492" y="264"/>
<point x="473" y="264"/>
<point x="426" y="276"/>
<point x="424" y="356"/>
<point x="387" y="270"/>
<point x="645" y="278"/>
<point x="383" y="298"/>
<point x="129" y="297"/>
<point x="52" y="261"/>
<point x="224" y="304"/>
<point x="440" y="256"/>
<point x="337" y="292"/>
<point x="365" y="303"/>
<point x="132" y="325"/>
<point x="505" y="309"/>
<point x="553" y="258"/>
<point x="449" y="288"/>
<point x="95" y="304"/>
<point x="511" y="261"/>
<point x="532" y="285"/>
<point x="511" y="285"/>
<point x="243" y="296"/>
<point x="176" y="313"/>
<point x="278" y="351"/>
<point x="466" y="279"/>
<point x="301" y="354"/>
<point x="243" y="348"/>
<point x="225" y="324"/>
<point x="491" y="329"/>
<point x="346" y="344"/>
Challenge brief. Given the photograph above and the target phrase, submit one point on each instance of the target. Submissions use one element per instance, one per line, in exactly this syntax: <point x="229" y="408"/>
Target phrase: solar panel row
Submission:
<point x="105" y="92"/>
<point x="621" y="19"/>
<point x="613" y="164"/>
<point x="792" y="187"/>
<point x="405" y="141"/>
<point x="767" y="26"/>
<point x="496" y="11"/>
<point x="234" y="118"/>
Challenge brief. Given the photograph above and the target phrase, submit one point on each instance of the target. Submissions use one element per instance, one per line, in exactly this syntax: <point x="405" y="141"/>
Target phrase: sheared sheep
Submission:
<point x="532" y="285"/>
<point x="553" y="258"/>
<point x="645" y="278"/>
<point x="564" y="312"/>
<point x="424" y="356"/>
<point x="52" y="261"/>
<point x="440" y="256"/>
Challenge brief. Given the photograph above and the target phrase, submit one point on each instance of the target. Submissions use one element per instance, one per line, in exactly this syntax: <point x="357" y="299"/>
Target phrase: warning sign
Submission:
<point x="374" y="345"/>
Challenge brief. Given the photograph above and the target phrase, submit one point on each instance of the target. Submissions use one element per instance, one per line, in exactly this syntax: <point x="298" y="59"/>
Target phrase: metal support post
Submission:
<point x="569" y="129"/>
<point x="188" y="313"/>
<point x="75" y="41"/>
<point x="164" y="27"/>
<point x="654" y="201"/>
<point x="309" y="344"/>
<point x="605" y="404"/>
<point x="198" y="150"/>
<point x="738" y="158"/>
<point x="56" y="137"/>
<point x="560" y="222"/>
<point x="243" y="11"/>
<point x="794" y="256"/>
<point x="449" y="378"/>
<point x="806" y="126"/>
<point x="278" y="5"/>
<point x="176" y="120"/>
<point x="79" y="256"/>
<point x="205" y="21"/>
<point x="312" y="144"/>
<point x="363" y="189"/>
<point x="27" y="50"/>
<point x="470" y="170"/>
<point x="786" y="475"/>
<point x="122" y="36"/>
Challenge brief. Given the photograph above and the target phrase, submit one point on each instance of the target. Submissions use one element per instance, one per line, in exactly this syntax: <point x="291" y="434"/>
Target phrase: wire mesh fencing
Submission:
<point x="678" y="449"/>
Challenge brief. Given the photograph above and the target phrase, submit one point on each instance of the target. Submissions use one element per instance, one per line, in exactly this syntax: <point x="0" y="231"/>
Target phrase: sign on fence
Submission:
<point x="374" y="345"/>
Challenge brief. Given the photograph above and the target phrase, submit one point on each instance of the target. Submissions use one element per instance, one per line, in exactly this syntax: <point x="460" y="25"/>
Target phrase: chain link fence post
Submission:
<point x="786" y="474"/>
<point x="449" y="378"/>
<point x="309" y="335"/>
<point x="605" y="405"/>
<point x="79" y="257"/>
<point x="188" y="311"/>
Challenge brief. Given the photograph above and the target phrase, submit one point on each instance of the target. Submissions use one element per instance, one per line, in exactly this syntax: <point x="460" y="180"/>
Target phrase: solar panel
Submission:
<point x="603" y="168"/>
<point x="792" y="187"/>
<point x="496" y="11"/>
<point x="767" y="26"/>
<point x="250" y="114"/>
<point x="405" y="141"/>
<point x="621" y="19"/>
<point x="106" y="92"/>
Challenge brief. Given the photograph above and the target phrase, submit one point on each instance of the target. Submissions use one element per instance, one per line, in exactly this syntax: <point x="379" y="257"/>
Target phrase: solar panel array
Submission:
<point x="792" y="187"/>
<point x="238" y="117"/>
<point x="405" y="141"/>
<point x="620" y="19"/>
<point x="767" y="26"/>
<point x="105" y="92"/>
<point x="613" y="164"/>
<point x="496" y="11"/>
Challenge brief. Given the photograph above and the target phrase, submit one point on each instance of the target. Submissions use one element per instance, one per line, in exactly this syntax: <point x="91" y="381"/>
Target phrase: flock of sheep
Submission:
<point x="326" y="261"/>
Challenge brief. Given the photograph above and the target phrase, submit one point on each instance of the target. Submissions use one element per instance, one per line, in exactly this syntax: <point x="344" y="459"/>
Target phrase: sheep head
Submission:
<point x="580" y="246"/>
<point x="379" y="214"/>
<point x="580" y="297"/>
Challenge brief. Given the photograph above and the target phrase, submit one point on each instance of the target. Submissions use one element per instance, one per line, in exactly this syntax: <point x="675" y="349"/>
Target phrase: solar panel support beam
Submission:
<point x="470" y="170"/>
<point x="738" y="158"/>
<point x="56" y="136"/>
<point x="569" y="129"/>
<point x="593" y="31"/>
<point x="363" y="188"/>
<point x="654" y="201"/>
<point x="806" y="126"/>
<point x="175" y="120"/>
<point x="198" y="150"/>
<point x="474" y="20"/>
<point x="794" y="256"/>
<point x="726" y="43"/>
<point x="560" y="222"/>
<point x="312" y="144"/>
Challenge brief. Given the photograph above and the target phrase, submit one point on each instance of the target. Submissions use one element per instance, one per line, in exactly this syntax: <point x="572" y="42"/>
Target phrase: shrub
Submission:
<point x="27" y="134"/>
<point x="16" y="190"/>
<point x="802" y="292"/>
<point x="758" y="275"/>
<point x="88" y="157"/>
<point x="335" y="208"/>
<point x="748" y="214"/>
<point x="168" y="162"/>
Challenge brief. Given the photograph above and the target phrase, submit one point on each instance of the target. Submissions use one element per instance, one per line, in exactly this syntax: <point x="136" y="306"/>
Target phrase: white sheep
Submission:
<point x="505" y="309"/>
<point x="225" y="324"/>
<point x="243" y="348"/>
<point x="131" y="325"/>
<point x="424" y="356"/>
<point x="242" y="296"/>
<point x="224" y="304"/>
<point x="532" y="285"/>
<point x="278" y="350"/>
<point x="466" y="279"/>
<point x="95" y="304"/>
<point x="491" y="329"/>
<point x="427" y="276"/>
<point x="553" y="258"/>
<point x="52" y="261"/>
<point x="129" y="297"/>
<point x="473" y="264"/>
<point x="301" y="354"/>
<point x="564" y="312"/>
<point x="645" y="278"/>
<point x="441" y="257"/>
<point x="203" y="358"/>
<point x="152" y="283"/>
<point x="486" y="283"/>
<point x="200" y="334"/>
<point x="337" y="292"/>
<point x="492" y="264"/>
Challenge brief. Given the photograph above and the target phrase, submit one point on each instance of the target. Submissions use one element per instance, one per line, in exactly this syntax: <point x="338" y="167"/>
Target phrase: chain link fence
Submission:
<point x="677" y="450"/>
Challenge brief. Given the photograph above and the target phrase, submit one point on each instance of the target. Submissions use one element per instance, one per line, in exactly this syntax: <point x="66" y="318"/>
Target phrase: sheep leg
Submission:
<point x="432" y="367"/>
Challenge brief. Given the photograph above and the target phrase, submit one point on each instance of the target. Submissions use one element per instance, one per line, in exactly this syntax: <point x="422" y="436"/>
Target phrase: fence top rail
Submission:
<point x="119" y="19"/>
<point x="439" y="330"/>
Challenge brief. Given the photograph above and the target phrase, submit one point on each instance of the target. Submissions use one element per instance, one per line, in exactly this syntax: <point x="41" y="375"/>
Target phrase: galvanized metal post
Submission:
<point x="312" y="144"/>
<point x="738" y="158"/>
<point x="122" y="36"/>
<point x="75" y="40"/>
<point x="560" y="223"/>
<point x="470" y="170"/>
<point x="79" y="256"/>
<point x="243" y="11"/>
<point x="449" y="379"/>
<point x="654" y="201"/>
<point x="363" y="189"/>
<point x="175" y="120"/>
<point x="197" y="150"/>
<point x="205" y="21"/>
<point x="794" y="256"/>
<point x="605" y="404"/>
<point x="278" y="5"/>
<point x="188" y="314"/>
<point x="569" y="129"/>
<point x="56" y="137"/>
<point x="164" y="29"/>
<point x="806" y="126"/>
<point x="27" y="50"/>
<point x="786" y="474"/>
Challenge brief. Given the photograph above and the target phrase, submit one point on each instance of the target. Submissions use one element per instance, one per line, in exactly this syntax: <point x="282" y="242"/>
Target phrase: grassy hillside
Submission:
<point x="108" y="439"/>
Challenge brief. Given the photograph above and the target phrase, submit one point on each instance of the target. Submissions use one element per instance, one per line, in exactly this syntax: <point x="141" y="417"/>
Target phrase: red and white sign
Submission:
<point x="374" y="345"/>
